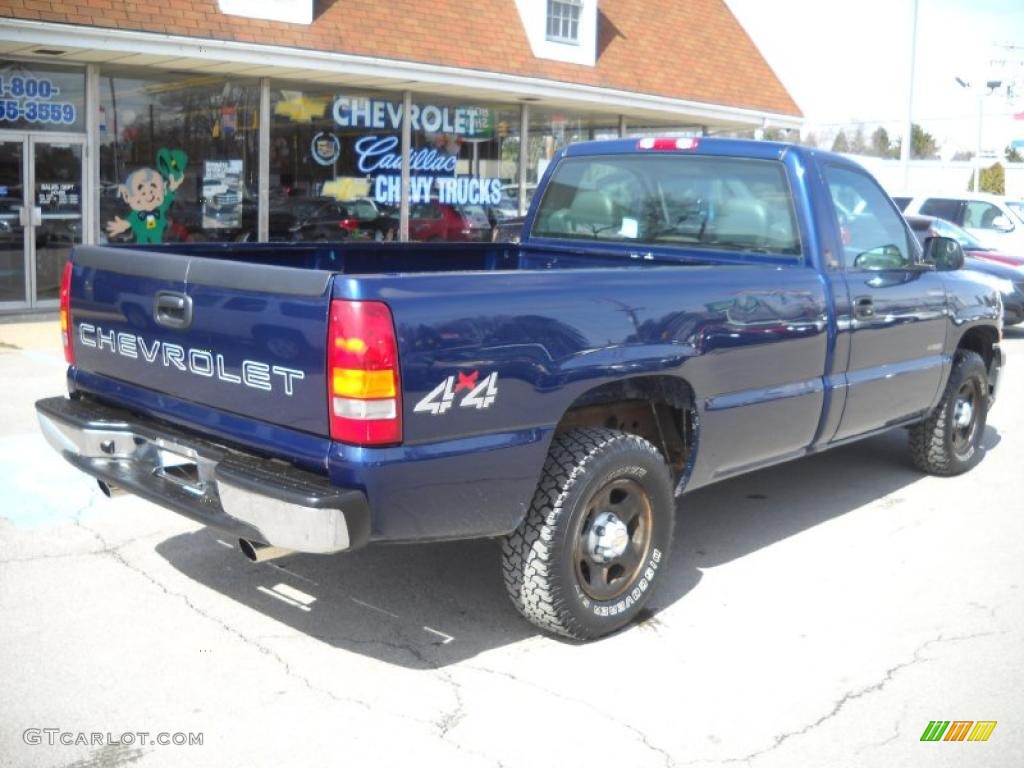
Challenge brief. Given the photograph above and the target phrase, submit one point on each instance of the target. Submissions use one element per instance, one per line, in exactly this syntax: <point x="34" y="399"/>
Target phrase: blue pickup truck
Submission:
<point x="678" y="311"/>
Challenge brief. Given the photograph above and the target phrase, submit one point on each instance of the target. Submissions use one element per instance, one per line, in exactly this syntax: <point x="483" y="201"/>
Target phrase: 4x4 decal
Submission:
<point x="477" y="394"/>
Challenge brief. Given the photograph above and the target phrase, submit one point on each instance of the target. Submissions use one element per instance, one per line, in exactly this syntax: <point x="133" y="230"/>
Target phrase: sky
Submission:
<point x="848" y="62"/>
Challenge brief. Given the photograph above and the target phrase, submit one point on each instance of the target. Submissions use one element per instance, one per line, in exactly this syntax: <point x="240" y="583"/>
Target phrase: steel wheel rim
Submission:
<point x="606" y="579"/>
<point x="965" y="416"/>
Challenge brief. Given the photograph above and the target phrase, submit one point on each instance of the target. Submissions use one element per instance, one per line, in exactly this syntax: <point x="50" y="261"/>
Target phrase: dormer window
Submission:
<point x="564" y="21"/>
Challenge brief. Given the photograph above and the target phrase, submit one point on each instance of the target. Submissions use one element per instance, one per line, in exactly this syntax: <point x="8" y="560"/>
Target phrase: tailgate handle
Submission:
<point x="173" y="310"/>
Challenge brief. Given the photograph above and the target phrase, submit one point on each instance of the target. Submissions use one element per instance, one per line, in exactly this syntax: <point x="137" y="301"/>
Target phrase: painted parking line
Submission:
<point x="446" y="638"/>
<point x="279" y="594"/>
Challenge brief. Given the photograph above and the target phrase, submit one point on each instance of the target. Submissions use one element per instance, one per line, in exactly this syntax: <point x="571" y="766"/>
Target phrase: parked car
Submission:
<point x="971" y="245"/>
<point x="1008" y="279"/>
<point x="441" y="221"/>
<point x="508" y="206"/>
<point x="332" y="219"/>
<point x="988" y="217"/>
<point x="508" y="230"/>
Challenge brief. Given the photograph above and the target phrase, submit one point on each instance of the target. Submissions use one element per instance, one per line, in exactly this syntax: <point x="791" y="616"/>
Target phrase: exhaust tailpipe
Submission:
<point x="260" y="553"/>
<point x="110" y="490"/>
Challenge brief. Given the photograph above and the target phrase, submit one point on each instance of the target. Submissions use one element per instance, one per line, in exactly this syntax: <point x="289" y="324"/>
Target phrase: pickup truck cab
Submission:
<point x="678" y="311"/>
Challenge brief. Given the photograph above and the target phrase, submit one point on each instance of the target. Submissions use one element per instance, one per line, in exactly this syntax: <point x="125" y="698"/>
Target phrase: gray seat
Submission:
<point x="742" y="219"/>
<point x="593" y="211"/>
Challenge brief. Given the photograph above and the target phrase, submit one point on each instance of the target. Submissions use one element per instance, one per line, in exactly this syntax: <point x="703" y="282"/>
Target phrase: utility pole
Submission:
<point x="908" y="132"/>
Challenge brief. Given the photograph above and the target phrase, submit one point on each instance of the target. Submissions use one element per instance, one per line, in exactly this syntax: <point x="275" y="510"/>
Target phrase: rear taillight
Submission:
<point x="350" y="225"/>
<point x="65" y="314"/>
<point x="363" y="383"/>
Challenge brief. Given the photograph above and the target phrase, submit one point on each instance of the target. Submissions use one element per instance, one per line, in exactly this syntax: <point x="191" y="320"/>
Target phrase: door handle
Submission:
<point x="864" y="307"/>
<point x="23" y="218"/>
<point x="37" y="216"/>
<point x="173" y="310"/>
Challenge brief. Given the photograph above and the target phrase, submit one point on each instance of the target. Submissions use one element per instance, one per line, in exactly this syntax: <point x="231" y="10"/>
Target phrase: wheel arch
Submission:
<point x="981" y="339"/>
<point x="661" y="409"/>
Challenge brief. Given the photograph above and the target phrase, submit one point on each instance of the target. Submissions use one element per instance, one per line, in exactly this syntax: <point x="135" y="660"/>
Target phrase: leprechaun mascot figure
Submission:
<point x="150" y="193"/>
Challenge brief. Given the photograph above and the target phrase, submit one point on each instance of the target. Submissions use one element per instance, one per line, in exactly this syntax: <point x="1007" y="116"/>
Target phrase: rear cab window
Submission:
<point x="713" y="203"/>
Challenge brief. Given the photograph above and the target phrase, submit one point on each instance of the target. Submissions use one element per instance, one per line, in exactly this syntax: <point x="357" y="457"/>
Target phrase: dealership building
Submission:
<point x="221" y="120"/>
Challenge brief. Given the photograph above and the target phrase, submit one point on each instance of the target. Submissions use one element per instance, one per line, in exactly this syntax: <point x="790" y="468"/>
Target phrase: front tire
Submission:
<point x="585" y="559"/>
<point x="948" y="442"/>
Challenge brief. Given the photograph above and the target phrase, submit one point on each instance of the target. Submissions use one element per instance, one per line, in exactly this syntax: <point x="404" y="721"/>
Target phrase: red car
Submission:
<point x="440" y="221"/>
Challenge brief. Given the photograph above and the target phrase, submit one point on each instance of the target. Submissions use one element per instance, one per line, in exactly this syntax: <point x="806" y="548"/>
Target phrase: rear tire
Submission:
<point x="948" y="442"/>
<point x="585" y="559"/>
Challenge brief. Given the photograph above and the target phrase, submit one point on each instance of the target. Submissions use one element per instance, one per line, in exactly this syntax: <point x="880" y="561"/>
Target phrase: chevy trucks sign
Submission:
<point x="433" y="167"/>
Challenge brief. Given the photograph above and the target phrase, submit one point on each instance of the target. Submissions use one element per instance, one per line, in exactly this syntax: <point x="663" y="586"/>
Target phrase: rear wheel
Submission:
<point x="584" y="560"/>
<point x="948" y="442"/>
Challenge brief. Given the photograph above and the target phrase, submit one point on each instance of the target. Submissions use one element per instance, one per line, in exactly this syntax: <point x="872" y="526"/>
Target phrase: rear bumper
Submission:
<point x="245" y="495"/>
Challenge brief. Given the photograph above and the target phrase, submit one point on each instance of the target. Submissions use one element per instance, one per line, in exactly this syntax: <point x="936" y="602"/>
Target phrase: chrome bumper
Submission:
<point x="254" y="498"/>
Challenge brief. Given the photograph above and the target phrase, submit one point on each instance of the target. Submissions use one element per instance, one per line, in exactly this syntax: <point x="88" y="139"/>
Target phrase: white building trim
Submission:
<point x="19" y="37"/>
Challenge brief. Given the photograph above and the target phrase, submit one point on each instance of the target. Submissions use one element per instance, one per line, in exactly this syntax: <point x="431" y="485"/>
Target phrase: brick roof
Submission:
<point x="684" y="49"/>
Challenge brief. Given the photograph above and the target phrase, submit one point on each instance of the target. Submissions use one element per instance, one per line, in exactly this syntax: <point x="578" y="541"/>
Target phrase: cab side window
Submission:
<point x="980" y="215"/>
<point x="872" y="232"/>
<point x="942" y="208"/>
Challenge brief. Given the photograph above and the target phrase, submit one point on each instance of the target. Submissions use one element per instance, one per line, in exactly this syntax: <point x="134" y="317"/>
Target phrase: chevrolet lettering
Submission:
<point x="201" y="362"/>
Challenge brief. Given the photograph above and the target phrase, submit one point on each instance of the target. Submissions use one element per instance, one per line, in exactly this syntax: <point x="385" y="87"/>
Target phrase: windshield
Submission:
<point x="967" y="241"/>
<point x="737" y="204"/>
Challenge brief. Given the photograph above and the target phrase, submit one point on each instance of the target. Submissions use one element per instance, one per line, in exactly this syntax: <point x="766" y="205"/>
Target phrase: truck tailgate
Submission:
<point x="245" y="338"/>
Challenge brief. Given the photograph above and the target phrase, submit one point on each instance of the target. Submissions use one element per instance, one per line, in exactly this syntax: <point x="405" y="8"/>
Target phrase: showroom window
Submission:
<point x="564" y="21"/>
<point x="178" y="157"/>
<point x="335" y="157"/>
<point x="555" y="129"/>
<point x="464" y="168"/>
<point x="335" y="165"/>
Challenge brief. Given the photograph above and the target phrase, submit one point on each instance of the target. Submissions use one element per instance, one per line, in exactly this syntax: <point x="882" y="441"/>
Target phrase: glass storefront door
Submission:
<point x="40" y="215"/>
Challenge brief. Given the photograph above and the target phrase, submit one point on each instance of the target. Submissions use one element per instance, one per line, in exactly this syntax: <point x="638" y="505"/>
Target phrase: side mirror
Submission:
<point x="1002" y="224"/>
<point x="944" y="252"/>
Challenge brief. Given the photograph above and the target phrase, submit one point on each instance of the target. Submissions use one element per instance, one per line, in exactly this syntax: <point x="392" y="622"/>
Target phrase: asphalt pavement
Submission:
<point x="819" y="613"/>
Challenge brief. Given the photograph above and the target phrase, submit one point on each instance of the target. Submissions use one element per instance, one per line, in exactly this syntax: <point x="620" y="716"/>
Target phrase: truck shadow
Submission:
<point x="431" y="605"/>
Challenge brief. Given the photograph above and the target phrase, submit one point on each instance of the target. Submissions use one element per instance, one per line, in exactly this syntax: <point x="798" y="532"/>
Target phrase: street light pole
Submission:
<point x="908" y="132"/>
<point x="976" y="160"/>
<point x="977" y="143"/>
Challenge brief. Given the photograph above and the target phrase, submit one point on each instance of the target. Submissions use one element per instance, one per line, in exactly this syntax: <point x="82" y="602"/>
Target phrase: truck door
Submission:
<point x="897" y="320"/>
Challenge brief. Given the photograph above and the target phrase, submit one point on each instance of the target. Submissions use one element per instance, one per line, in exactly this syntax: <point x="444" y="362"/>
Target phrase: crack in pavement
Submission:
<point x="849" y="696"/>
<point x="116" y="554"/>
<point x="669" y="762"/>
<point x="443" y="725"/>
<point x="61" y="556"/>
<point x="447" y="720"/>
<point x="897" y="732"/>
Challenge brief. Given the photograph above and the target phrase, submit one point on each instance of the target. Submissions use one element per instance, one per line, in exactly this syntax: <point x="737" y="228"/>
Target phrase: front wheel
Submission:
<point x="586" y="557"/>
<point x="948" y="442"/>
